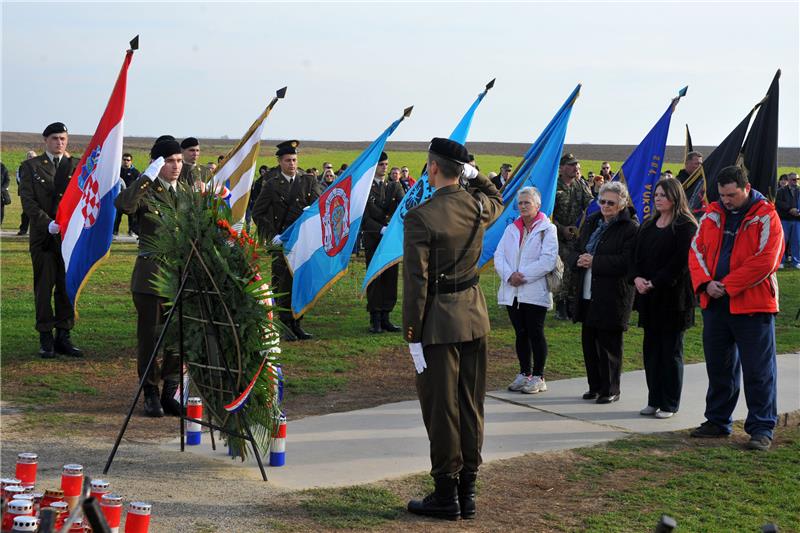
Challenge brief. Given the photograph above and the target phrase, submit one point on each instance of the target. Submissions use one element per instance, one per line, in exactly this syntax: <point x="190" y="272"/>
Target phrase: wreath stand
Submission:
<point x="222" y="380"/>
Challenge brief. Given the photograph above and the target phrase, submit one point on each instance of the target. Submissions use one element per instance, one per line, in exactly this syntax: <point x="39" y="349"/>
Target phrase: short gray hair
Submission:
<point x="533" y="192"/>
<point x="618" y="188"/>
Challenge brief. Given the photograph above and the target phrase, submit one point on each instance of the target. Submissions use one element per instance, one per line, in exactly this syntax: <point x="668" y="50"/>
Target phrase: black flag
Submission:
<point x="761" y="146"/>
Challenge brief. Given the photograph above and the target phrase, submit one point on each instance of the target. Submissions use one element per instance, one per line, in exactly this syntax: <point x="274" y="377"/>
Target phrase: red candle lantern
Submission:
<point x="27" y="463"/>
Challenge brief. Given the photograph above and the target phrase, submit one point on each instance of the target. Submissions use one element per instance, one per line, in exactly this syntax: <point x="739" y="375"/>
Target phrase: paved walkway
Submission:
<point x="11" y="235"/>
<point x="389" y="441"/>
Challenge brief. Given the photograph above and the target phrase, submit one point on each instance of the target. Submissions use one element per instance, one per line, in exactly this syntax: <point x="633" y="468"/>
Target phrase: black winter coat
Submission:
<point x="612" y="293"/>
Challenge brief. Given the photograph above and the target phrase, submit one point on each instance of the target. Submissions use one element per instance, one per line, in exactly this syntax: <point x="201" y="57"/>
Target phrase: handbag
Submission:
<point x="555" y="277"/>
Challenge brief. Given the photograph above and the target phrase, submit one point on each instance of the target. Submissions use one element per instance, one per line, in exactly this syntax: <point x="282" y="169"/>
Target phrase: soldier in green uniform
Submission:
<point x="42" y="182"/>
<point x="281" y="201"/>
<point x="383" y="199"/>
<point x="156" y="187"/>
<point x="573" y="196"/>
<point x="193" y="174"/>
<point x="446" y="323"/>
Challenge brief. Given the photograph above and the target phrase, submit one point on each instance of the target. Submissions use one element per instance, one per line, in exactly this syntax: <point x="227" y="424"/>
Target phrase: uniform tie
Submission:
<point x="56" y="161"/>
<point x="173" y="196"/>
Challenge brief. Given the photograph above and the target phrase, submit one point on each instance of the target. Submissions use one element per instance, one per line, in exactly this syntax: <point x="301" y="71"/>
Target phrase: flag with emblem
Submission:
<point x="233" y="178"/>
<point x="86" y="212"/>
<point x="319" y="244"/>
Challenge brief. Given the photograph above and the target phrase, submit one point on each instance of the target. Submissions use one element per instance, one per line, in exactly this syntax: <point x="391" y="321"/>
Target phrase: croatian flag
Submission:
<point x="86" y="212"/>
<point x="318" y="245"/>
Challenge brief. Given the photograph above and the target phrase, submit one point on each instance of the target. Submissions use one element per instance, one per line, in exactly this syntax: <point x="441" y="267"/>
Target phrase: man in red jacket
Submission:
<point x="733" y="260"/>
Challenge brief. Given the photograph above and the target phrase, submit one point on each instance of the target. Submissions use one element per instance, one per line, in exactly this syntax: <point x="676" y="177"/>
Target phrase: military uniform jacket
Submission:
<point x="190" y="174"/>
<point x="142" y="197"/>
<point x="281" y="202"/>
<point x="571" y="201"/>
<point x="40" y="191"/>
<point x="444" y="236"/>
<point x="382" y="202"/>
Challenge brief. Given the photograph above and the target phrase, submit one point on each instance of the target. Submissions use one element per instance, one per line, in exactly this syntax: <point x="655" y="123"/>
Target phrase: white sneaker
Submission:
<point x="781" y="265"/>
<point x="518" y="383"/>
<point x="534" y="384"/>
<point x="664" y="414"/>
<point x="649" y="410"/>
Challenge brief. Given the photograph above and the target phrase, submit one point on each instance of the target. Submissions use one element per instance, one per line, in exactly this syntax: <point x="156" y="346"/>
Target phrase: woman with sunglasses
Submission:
<point x="601" y="264"/>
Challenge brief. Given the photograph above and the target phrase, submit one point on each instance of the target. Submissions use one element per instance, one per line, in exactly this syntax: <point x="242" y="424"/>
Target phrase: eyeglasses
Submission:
<point x="609" y="203"/>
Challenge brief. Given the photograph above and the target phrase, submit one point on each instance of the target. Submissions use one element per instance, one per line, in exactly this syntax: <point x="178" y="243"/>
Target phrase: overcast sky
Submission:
<point x="208" y="69"/>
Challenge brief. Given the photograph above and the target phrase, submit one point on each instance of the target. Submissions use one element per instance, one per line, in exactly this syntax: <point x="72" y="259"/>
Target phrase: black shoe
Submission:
<point x="608" y="399"/>
<point x="64" y="346"/>
<point x="375" y="323"/>
<point x="299" y="332"/>
<point x="761" y="443"/>
<point x="709" y="430"/>
<point x="441" y="503"/>
<point x="152" y="406"/>
<point x="115" y="233"/>
<point x="286" y="330"/>
<point x="46" y="345"/>
<point x="466" y="494"/>
<point x="386" y="324"/>
<point x="561" y="310"/>
<point x="589" y="395"/>
<point x="170" y="405"/>
<point x="22" y="232"/>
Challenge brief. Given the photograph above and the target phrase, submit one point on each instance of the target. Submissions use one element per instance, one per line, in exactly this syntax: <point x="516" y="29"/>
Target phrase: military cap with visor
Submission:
<point x="287" y="147"/>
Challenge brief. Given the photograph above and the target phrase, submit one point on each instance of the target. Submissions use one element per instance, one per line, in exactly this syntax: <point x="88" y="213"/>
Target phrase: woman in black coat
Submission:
<point x="664" y="297"/>
<point x="603" y="294"/>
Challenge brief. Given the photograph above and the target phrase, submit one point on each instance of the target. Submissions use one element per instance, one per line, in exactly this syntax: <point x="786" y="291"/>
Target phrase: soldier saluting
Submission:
<point x="445" y="322"/>
<point x="281" y="201"/>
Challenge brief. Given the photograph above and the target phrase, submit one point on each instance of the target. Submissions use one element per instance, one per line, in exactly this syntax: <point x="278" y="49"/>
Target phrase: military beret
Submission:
<point x="287" y="147"/>
<point x="165" y="149"/>
<point x="568" y="159"/>
<point x="189" y="142"/>
<point x="164" y="138"/>
<point x="449" y="150"/>
<point x="383" y="157"/>
<point x="55" y="127"/>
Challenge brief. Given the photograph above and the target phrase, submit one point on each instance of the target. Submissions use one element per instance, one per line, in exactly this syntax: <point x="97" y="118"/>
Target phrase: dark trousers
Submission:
<point x="602" y="355"/>
<point x="528" y="322"/>
<point x="150" y="315"/>
<point x="282" y="286"/>
<point x="740" y="346"/>
<point x="382" y="292"/>
<point x="451" y="392"/>
<point x="662" y="351"/>
<point x="49" y="284"/>
<point x="132" y="227"/>
<point x="24" y="222"/>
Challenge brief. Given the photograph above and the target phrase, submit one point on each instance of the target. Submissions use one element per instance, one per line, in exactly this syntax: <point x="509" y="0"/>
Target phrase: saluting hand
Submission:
<point x="154" y="168"/>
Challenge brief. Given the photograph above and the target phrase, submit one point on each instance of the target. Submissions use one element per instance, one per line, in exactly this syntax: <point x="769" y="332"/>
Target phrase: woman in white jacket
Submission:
<point x="526" y="253"/>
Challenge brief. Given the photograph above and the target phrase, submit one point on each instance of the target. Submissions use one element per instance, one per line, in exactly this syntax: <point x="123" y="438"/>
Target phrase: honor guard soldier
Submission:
<point x="192" y="174"/>
<point x="383" y="199"/>
<point x="155" y="188"/>
<point x="281" y="201"/>
<point x="446" y="323"/>
<point x="42" y="182"/>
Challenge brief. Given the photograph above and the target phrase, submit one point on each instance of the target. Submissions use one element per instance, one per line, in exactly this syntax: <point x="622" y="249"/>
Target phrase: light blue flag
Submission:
<point x="539" y="168"/>
<point x="390" y="249"/>
<point x="318" y="245"/>
<point x="642" y="170"/>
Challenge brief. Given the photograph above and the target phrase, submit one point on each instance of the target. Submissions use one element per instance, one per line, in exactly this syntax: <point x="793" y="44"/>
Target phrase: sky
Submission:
<point x="208" y="69"/>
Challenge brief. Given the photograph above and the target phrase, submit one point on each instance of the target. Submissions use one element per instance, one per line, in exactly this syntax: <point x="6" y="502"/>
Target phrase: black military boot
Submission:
<point x="152" y="406"/>
<point x="561" y="309"/>
<point x="375" y="323"/>
<point x="170" y="405"/>
<point x="46" y="345"/>
<point x="299" y="332"/>
<point x="466" y="494"/>
<point x="63" y="344"/>
<point x="441" y="503"/>
<point x="386" y="324"/>
<point x="287" y="334"/>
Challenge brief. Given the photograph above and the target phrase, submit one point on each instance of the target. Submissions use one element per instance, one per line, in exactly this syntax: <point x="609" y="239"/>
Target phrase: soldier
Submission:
<point x="383" y="199"/>
<point x="446" y="323"/>
<point x="43" y="180"/>
<point x="572" y="198"/>
<point x="23" y="218"/>
<point x="156" y="187"/>
<point x="193" y="175"/>
<point x="281" y="201"/>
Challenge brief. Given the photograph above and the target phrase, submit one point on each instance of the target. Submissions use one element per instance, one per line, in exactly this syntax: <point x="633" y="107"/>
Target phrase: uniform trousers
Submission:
<point x="282" y="285"/>
<point x="49" y="283"/>
<point x="602" y="355"/>
<point x="451" y="393"/>
<point x="150" y="317"/>
<point x="382" y="292"/>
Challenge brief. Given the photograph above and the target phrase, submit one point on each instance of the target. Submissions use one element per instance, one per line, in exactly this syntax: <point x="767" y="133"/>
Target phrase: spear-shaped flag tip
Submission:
<point x="407" y="111"/>
<point x="683" y="91"/>
<point x="280" y="93"/>
<point x="490" y="84"/>
<point x="135" y="43"/>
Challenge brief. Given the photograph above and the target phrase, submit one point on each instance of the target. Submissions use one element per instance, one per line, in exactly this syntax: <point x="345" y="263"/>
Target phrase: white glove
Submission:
<point x="469" y="172"/>
<point x="277" y="240"/>
<point x="416" y="354"/>
<point x="306" y="208"/>
<point x="383" y="230"/>
<point x="53" y="228"/>
<point x="154" y="168"/>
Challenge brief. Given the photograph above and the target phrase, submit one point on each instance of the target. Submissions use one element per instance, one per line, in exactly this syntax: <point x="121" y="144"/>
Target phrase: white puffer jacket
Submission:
<point x="534" y="259"/>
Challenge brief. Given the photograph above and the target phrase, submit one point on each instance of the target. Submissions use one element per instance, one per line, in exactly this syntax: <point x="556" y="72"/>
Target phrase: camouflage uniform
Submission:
<point x="571" y="201"/>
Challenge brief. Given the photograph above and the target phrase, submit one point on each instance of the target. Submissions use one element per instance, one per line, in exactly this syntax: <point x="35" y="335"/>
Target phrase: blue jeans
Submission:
<point x="791" y="232"/>
<point x="740" y="346"/>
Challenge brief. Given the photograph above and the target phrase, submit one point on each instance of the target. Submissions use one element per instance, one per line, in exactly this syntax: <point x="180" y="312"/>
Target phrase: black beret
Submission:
<point x="568" y="159"/>
<point x="287" y="147"/>
<point x="449" y="150"/>
<point x="189" y="142"/>
<point x="165" y="149"/>
<point x="55" y="127"/>
<point x="383" y="157"/>
<point x="164" y="138"/>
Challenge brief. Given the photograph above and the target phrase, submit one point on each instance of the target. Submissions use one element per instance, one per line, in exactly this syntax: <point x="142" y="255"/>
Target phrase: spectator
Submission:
<point x="128" y="174"/>
<point x="668" y="173"/>
<point x="219" y="159"/>
<point x="472" y="162"/>
<point x="525" y="254"/>
<point x="787" y="203"/>
<point x="24" y="221"/>
<point x="341" y="169"/>
<point x="783" y="181"/>
<point x="505" y="174"/>
<point x="664" y="296"/>
<point x="211" y="166"/>
<point x="405" y="179"/>
<point x="693" y="161"/>
<point x="5" y="197"/>
<point x="328" y="177"/>
<point x="601" y="262"/>
<point x="255" y="190"/>
<point x="735" y="255"/>
<point x="394" y="175"/>
<point x="605" y="171"/>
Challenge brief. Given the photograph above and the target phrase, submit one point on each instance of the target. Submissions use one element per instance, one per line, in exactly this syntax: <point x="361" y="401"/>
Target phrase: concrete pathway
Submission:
<point x="389" y="441"/>
<point x="11" y="235"/>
